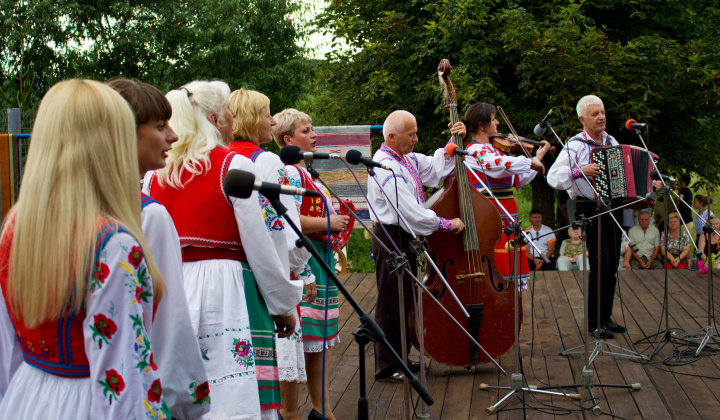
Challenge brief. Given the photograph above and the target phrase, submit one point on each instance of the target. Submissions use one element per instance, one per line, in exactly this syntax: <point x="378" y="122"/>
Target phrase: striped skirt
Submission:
<point x="313" y="315"/>
<point x="262" y="329"/>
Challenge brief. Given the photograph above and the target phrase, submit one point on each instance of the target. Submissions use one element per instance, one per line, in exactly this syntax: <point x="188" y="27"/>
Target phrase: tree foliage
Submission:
<point x="656" y="62"/>
<point x="247" y="43"/>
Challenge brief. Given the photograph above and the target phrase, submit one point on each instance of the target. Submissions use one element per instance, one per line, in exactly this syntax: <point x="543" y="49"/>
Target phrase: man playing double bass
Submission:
<point x="404" y="187"/>
<point x="567" y="174"/>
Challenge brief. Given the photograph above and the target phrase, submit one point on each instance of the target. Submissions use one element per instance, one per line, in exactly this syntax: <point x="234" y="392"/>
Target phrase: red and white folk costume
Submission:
<point x="231" y="271"/>
<point x="290" y="354"/>
<point x="313" y="314"/>
<point x="95" y="363"/>
<point x="175" y="346"/>
<point x="501" y="173"/>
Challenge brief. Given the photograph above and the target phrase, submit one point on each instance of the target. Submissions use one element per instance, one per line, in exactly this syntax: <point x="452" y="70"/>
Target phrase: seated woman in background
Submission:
<point x="78" y="280"/>
<point x="570" y="252"/>
<point x="700" y="204"/>
<point x="678" y="246"/>
<point x="712" y="248"/>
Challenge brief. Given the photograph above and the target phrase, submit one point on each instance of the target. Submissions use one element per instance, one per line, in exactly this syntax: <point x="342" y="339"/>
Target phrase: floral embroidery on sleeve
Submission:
<point x="444" y="224"/>
<point x="116" y="339"/>
<point x="103" y="329"/>
<point x="99" y="274"/>
<point x="576" y="172"/>
<point x="113" y="385"/>
<point x="155" y="391"/>
<point x="135" y="256"/>
<point x="273" y="221"/>
<point x="201" y="392"/>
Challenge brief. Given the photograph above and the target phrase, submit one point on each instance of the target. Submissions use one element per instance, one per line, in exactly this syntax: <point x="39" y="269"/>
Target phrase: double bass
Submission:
<point x="467" y="261"/>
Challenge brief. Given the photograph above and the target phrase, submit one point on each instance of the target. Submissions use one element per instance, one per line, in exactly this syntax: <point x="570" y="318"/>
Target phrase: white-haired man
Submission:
<point x="404" y="188"/>
<point x="567" y="174"/>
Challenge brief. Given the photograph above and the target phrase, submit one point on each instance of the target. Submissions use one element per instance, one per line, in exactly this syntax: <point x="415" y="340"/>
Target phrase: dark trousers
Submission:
<point x="387" y="312"/>
<point x="607" y="268"/>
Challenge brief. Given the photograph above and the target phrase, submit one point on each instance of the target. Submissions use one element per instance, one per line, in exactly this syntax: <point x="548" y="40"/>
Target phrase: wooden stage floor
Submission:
<point x="683" y="390"/>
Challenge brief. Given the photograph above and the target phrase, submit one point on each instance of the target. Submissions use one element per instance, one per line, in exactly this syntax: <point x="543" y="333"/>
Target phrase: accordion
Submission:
<point x="624" y="174"/>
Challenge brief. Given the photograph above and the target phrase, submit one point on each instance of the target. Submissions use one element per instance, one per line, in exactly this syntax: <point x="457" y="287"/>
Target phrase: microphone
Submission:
<point x="453" y="149"/>
<point x="240" y="184"/>
<point x="630" y="124"/>
<point x="355" y="157"/>
<point x="657" y="176"/>
<point x="290" y="155"/>
<point x="540" y="128"/>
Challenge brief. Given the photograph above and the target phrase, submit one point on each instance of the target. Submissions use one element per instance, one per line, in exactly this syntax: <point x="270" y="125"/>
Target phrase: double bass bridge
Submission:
<point x="470" y="276"/>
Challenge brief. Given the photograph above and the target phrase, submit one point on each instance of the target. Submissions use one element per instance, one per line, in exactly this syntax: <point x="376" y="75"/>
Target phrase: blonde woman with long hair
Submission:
<point x="78" y="283"/>
<point x="252" y="127"/>
<point x="234" y="278"/>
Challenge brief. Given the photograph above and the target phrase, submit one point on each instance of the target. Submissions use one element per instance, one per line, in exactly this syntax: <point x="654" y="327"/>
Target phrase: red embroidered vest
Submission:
<point x="202" y="213"/>
<point x="57" y="346"/>
<point x="311" y="206"/>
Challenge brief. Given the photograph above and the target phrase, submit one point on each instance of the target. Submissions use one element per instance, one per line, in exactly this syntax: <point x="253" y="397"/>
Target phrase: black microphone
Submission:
<point x="656" y="176"/>
<point x="355" y="157"/>
<point x="540" y="128"/>
<point x="290" y="155"/>
<point x="240" y="184"/>
<point x="630" y="124"/>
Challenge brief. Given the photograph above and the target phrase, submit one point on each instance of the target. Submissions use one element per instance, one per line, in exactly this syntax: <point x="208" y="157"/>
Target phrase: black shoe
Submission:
<point x="614" y="327"/>
<point x="602" y="333"/>
<point x="315" y="415"/>
<point x="395" y="377"/>
<point x="414" y="366"/>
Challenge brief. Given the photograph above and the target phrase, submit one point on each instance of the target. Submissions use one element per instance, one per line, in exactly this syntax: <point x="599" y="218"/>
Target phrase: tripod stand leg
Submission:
<point x="490" y="410"/>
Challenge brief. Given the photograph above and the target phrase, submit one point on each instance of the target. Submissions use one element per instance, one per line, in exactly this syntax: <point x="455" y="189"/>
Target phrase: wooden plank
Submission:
<point x="667" y="391"/>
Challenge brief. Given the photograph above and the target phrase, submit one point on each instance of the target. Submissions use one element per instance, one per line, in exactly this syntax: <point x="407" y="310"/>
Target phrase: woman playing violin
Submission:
<point x="500" y="172"/>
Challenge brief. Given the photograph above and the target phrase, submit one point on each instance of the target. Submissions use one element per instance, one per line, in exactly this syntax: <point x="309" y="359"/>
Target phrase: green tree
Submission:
<point x="247" y="43"/>
<point x="655" y="62"/>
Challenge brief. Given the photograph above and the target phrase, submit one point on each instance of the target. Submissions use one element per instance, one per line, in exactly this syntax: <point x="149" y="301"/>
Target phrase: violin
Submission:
<point x="511" y="143"/>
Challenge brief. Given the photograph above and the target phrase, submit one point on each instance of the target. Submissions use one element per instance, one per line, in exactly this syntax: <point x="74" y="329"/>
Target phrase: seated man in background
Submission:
<point x="544" y="240"/>
<point x="647" y="239"/>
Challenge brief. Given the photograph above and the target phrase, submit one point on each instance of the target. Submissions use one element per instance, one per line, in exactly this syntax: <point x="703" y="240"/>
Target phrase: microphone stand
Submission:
<point x="709" y="329"/>
<point x="399" y="262"/>
<point x="516" y="378"/>
<point x="667" y="334"/>
<point x="438" y="272"/>
<point x="367" y="331"/>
